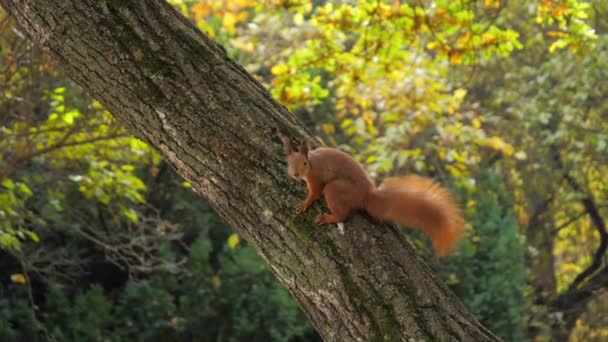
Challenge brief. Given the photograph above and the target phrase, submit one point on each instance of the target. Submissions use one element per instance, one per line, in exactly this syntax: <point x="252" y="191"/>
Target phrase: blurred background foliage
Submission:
<point x="504" y="101"/>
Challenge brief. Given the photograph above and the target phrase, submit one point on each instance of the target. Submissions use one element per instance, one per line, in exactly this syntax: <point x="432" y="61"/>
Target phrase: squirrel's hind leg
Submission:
<point x="338" y="199"/>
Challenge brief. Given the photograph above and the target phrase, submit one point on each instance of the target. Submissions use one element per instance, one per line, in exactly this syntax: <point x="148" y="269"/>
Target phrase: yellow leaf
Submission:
<point x="290" y="95"/>
<point x="18" y="278"/>
<point x="456" y="58"/>
<point x="508" y="150"/>
<point x="465" y="38"/>
<point x="367" y="117"/>
<point x="476" y="123"/>
<point x="328" y="128"/>
<point x="245" y="3"/>
<point x="556" y="34"/>
<point x="200" y="10"/>
<point x="496" y="143"/>
<point x="492" y="3"/>
<point x="488" y="38"/>
<point x="216" y="281"/>
<point x="365" y="103"/>
<point x="279" y="69"/>
<point x="456" y="100"/>
<point x="229" y="21"/>
<point x="454" y="171"/>
<point x="242" y="16"/>
<point x="242" y="45"/>
<point x="460" y="93"/>
<point x="298" y="19"/>
<point x="559" y="11"/>
<point x="233" y="240"/>
<point x="433" y="45"/>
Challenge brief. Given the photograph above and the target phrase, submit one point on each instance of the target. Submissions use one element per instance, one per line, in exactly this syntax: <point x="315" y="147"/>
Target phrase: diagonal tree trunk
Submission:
<point x="176" y="89"/>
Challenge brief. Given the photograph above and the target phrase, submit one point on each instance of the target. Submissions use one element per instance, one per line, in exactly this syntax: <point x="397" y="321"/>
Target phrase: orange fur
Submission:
<point x="414" y="201"/>
<point x="421" y="203"/>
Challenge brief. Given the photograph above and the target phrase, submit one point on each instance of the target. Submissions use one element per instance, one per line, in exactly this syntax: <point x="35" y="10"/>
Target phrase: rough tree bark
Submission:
<point x="173" y="87"/>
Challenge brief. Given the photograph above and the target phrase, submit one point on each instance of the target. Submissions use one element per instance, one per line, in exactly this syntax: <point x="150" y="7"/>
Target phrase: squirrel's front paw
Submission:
<point x="328" y="218"/>
<point x="324" y="219"/>
<point x="300" y="208"/>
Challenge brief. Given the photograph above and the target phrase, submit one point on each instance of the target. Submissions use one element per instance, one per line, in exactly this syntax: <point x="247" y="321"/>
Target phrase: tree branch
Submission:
<point x="596" y="219"/>
<point x="61" y="144"/>
<point x="573" y="301"/>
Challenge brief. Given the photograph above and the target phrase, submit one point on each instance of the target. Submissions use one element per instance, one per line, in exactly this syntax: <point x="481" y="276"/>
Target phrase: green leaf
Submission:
<point x="130" y="214"/>
<point x="24" y="189"/>
<point x="233" y="240"/>
<point x="33" y="236"/>
<point x="8" y="184"/>
<point x="10" y="242"/>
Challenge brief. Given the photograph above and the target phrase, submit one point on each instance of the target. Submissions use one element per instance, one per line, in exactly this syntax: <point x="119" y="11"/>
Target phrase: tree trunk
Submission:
<point x="540" y="235"/>
<point x="173" y="87"/>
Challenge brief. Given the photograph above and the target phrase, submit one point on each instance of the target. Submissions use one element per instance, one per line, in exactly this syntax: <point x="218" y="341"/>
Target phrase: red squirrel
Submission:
<point x="414" y="201"/>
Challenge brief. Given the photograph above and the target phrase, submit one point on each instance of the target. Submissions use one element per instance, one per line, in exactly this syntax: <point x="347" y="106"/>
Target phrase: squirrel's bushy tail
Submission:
<point x="421" y="203"/>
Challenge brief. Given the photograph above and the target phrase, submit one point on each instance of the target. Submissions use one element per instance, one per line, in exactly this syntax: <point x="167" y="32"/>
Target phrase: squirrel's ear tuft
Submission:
<point x="287" y="145"/>
<point x="304" y="146"/>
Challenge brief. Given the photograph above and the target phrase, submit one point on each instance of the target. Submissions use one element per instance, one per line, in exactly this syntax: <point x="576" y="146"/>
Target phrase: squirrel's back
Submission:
<point x="331" y="164"/>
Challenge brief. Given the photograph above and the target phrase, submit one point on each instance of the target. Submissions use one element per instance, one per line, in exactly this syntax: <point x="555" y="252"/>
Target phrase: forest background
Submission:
<point x="501" y="100"/>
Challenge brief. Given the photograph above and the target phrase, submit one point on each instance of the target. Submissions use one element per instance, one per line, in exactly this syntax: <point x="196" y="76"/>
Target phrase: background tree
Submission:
<point x="230" y="158"/>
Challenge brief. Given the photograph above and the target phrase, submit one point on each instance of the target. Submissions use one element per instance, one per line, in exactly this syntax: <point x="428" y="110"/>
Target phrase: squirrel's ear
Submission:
<point x="304" y="146"/>
<point x="287" y="145"/>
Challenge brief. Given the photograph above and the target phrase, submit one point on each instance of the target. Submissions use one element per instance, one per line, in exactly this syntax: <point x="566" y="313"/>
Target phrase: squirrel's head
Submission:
<point x="298" y="164"/>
